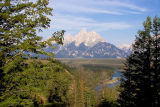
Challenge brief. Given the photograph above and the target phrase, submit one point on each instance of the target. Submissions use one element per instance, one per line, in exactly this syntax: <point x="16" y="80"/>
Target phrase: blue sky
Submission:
<point x="117" y="21"/>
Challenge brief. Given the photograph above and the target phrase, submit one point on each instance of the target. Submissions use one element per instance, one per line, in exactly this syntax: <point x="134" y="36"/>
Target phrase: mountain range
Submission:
<point x="88" y="45"/>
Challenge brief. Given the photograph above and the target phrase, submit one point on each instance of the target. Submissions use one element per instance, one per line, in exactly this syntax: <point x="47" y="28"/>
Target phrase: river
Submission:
<point x="117" y="74"/>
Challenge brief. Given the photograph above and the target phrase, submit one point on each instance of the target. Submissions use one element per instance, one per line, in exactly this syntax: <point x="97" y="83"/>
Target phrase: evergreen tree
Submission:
<point x="139" y="87"/>
<point x="156" y="60"/>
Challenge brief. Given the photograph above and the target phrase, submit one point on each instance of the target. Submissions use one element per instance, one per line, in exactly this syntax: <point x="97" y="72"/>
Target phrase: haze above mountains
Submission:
<point x="88" y="45"/>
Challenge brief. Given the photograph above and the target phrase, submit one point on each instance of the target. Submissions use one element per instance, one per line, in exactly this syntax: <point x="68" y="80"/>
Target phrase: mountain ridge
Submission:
<point x="88" y="38"/>
<point x="87" y="45"/>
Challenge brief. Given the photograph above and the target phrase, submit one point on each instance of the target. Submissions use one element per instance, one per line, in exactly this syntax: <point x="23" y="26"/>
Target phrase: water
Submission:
<point x="117" y="74"/>
<point x="113" y="85"/>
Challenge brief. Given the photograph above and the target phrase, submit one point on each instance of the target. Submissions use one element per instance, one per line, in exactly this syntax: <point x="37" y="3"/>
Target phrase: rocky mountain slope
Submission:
<point x="87" y="45"/>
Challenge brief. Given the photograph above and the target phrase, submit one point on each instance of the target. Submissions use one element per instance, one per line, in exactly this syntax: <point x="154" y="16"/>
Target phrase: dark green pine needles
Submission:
<point x="140" y="85"/>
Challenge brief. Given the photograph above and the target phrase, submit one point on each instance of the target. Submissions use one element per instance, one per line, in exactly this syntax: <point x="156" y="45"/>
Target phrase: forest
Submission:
<point x="26" y="80"/>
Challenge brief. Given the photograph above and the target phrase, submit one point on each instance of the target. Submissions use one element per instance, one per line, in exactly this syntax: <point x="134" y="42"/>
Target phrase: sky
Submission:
<point x="117" y="21"/>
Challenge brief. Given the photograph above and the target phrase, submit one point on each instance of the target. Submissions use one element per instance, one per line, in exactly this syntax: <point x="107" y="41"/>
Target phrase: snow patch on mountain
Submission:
<point x="88" y="45"/>
<point x="125" y="47"/>
<point x="68" y="39"/>
<point x="88" y="38"/>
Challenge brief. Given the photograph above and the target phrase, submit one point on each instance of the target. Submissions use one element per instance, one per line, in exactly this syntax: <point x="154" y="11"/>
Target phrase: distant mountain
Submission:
<point x="106" y="50"/>
<point x="88" y="38"/>
<point x="125" y="47"/>
<point x="87" y="45"/>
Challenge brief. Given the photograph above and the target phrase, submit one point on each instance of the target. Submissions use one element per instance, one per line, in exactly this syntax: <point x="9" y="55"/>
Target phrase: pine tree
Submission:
<point x="139" y="87"/>
<point x="156" y="60"/>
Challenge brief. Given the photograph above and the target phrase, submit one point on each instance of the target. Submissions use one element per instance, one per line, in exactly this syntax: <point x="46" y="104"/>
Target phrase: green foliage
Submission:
<point x="108" y="97"/>
<point x="139" y="87"/>
<point x="93" y="72"/>
<point x="19" y="23"/>
<point x="90" y="97"/>
<point x="59" y="92"/>
<point x="38" y="84"/>
<point x="24" y="82"/>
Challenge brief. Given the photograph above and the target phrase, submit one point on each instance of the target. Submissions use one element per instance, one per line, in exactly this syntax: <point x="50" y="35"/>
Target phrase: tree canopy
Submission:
<point x="140" y="85"/>
<point x="21" y="78"/>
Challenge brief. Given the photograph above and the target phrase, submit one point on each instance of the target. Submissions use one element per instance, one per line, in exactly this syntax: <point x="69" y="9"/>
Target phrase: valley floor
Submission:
<point x="89" y="74"/>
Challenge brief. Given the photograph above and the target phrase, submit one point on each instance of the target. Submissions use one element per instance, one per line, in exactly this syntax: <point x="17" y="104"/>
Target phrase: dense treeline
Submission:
<point x="108" y="97"/>
<point x="141" y="83"/>
<point x="38" y="83"/>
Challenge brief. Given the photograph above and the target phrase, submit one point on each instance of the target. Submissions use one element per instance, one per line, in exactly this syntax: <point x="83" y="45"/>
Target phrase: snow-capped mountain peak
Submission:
<point x="88" y="38"/>
<point x="68" y="39"/>
<point x="88" y="45"/>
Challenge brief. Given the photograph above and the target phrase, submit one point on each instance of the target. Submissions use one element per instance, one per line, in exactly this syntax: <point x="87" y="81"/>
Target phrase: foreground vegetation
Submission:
<point x="26" y="81"/>
<point x="51" y="83"/>
<point x="38" y="84"/>
<point x="141" y="83"/>
<point x="88" y="74"/>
